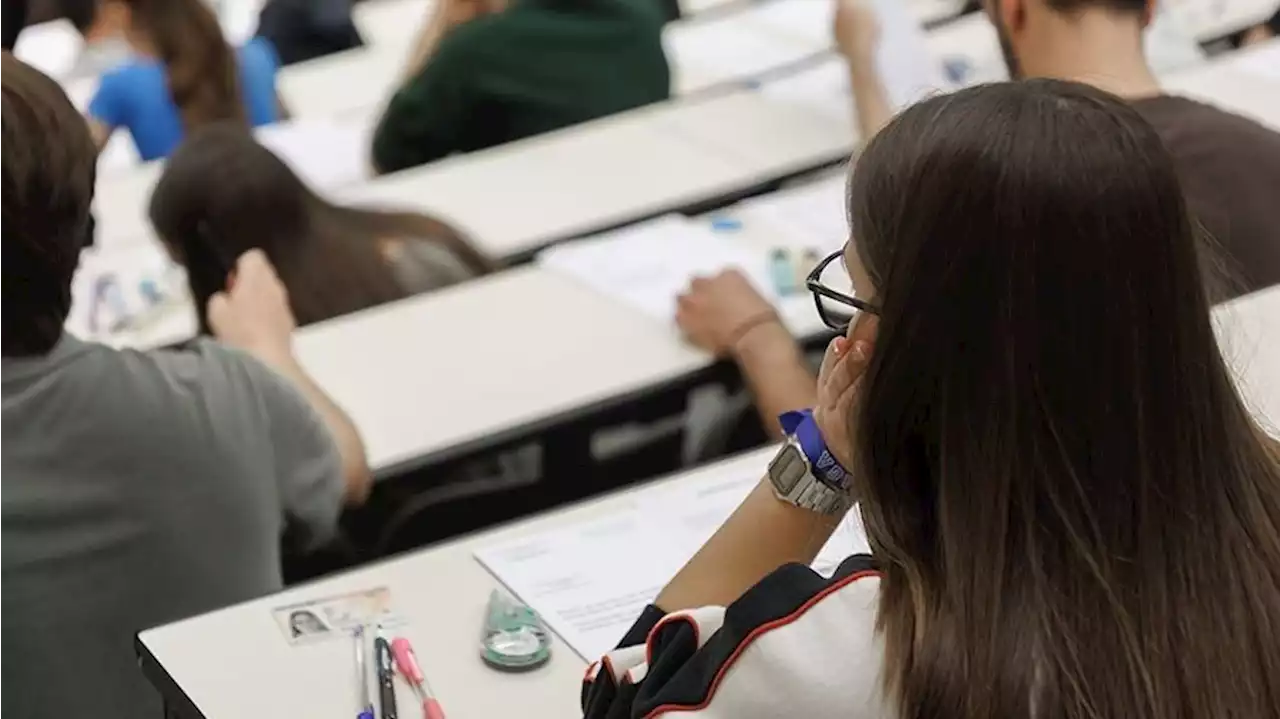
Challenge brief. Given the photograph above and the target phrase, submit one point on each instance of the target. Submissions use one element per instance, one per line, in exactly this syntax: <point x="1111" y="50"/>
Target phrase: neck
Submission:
<point x="1096" y="47"/>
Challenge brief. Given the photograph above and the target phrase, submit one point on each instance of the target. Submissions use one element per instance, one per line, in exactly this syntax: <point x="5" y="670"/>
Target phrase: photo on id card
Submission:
<point x="330" y="617"/>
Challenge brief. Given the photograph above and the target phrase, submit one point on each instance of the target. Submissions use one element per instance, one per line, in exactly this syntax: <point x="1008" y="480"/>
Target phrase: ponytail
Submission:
<point x="204" y="79"/>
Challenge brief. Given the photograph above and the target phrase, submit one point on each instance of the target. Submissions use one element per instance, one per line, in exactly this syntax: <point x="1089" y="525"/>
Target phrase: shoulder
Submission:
<point x="204" y="369"/>
<point x="795" y="644"/>
<point x="1180" y="119"/>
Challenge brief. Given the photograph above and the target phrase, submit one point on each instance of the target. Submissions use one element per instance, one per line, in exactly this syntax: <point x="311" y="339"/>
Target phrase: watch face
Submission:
<point x="787" y="470"/>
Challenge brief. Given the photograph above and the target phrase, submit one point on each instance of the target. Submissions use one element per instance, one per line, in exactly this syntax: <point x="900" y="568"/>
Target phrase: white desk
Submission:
<point x="519" y="196"/>
<point x="734" y="47"/>
<point x="355" y="82"/>
<point x="235" y="662"/>
<point x="500" y="353"/>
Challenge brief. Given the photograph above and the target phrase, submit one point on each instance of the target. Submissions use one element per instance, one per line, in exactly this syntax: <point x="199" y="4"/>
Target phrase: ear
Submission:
<point x="1149" y="13"/>
<point x="1011" y="14"/>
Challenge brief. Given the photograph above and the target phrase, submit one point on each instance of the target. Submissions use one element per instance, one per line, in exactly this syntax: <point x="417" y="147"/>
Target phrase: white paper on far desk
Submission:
<point x="590" y="581"/>
<point x="808" y="215"/>
<point x="648" y="265"/>
<point x="908" y="67"/>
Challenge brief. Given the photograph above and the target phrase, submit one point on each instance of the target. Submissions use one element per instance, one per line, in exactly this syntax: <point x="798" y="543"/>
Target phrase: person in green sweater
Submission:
<point x="485" y="72"/>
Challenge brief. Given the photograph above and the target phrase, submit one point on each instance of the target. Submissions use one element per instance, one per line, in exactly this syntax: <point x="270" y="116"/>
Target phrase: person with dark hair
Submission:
<point x="223" y="194"/>
<point x="1229" y="165"/>
<point x="486" y="72"/>
<point x="1070" y="509"/>
<point x="185" y="76"/>
<point x="139" y="487"/>
<point x="305" y="29"/>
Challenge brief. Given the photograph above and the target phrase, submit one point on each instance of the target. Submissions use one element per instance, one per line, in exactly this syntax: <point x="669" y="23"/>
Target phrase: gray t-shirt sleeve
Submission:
<point x="305" y="458"/>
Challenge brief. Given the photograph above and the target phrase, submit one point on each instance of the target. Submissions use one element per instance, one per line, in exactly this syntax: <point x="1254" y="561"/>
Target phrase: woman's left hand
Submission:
<point x="839" y="381"/>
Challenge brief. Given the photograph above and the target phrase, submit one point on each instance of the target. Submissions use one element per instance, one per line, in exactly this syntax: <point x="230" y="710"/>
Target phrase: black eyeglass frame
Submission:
<point x="839" y="323"/>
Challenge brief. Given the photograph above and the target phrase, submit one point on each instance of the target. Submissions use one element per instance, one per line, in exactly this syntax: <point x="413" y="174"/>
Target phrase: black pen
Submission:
<point x="386" y="676"/>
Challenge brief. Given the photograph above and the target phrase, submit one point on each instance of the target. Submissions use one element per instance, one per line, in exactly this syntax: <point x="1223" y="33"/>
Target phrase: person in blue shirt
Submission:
<point x="184" y="76"/>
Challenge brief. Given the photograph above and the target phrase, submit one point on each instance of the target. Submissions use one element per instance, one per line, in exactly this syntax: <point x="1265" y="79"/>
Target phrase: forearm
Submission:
<point x="763" y="534"/>
<point x="871" y="100"/>
<point x="776" y="373"/>
<point x="355" y="467"/>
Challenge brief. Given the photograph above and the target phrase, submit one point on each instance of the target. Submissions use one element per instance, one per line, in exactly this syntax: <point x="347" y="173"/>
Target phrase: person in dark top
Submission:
<point x="484" y="72"/>
<point x="306" y="29"/>
<point x="1229" y="165"/>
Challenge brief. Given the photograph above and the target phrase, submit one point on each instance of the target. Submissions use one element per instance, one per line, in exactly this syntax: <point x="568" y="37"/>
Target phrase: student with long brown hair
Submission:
<point x="1071" y="512"/>
<point x="223" y="194"/>
<point x="184" y="76"/>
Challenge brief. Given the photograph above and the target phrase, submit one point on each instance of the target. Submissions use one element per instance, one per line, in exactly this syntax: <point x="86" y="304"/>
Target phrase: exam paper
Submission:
<point x="589" y="582"/>
<point x="648" y="265"/>
<point x="822" y="89"/>
<point x="908" y="67"/>
<point x="809" y="215"/>
<point x="1167" y="43"/>
<point x="704" y="54"/>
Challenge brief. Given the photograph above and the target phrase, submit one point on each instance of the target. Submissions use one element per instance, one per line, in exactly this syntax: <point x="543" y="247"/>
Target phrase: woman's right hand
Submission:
<point x="839" y="382"/>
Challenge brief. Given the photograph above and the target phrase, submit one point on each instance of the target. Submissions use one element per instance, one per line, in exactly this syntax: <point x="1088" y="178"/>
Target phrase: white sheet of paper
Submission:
<point x="590" y="581"/>
<point x="1169" y="47"/>
<point x="822" y="88"/>
<point x="908" y="68"/>
<point x="648" y="265"/>
<point x="1262" y="61"/>
<point x="703" y="54"/>
<point x="805" y="21"/>
<point x="809" y="215"/>
<point x="326" y="153"/>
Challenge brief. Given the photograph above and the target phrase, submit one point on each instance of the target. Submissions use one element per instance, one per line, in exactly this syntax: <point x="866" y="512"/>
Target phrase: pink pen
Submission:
<point x="407" y="663"/>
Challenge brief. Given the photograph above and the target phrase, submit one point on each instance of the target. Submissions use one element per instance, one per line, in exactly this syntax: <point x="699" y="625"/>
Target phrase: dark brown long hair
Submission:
<point x="1076" y="514"/>
<point x="223" y="194"/>
<point x="204" y="78"/>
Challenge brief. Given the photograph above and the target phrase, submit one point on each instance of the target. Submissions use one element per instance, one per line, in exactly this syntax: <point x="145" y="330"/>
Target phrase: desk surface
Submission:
<point x="523" y="195"/>
<point x="524" y="346"/>
<point x="236" y="663"/>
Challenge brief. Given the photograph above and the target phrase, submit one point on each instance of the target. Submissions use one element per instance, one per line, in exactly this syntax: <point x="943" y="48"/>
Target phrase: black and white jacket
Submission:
<point x="796" y="645"/>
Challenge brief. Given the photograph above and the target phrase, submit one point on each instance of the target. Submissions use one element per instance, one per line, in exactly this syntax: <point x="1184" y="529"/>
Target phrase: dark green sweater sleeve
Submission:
<point x="425" y="118"/>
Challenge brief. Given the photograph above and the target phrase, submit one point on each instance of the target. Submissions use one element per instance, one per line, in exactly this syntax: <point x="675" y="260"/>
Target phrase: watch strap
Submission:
<point x="801" y="425"/>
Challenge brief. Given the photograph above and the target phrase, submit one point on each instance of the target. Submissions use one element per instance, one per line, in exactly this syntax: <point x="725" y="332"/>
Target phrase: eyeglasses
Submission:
<point x="836" y="308"/>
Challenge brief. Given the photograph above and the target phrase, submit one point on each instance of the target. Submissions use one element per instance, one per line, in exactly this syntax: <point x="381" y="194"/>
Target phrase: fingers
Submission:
<point x="842" y="367"/>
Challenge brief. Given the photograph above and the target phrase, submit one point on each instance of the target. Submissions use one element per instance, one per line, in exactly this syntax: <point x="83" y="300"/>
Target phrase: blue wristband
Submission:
<point x="800" y="424"/>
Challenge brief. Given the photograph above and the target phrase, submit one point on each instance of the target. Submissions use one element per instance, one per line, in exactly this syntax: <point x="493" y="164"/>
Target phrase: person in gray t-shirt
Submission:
<point x="138" y="488"/>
